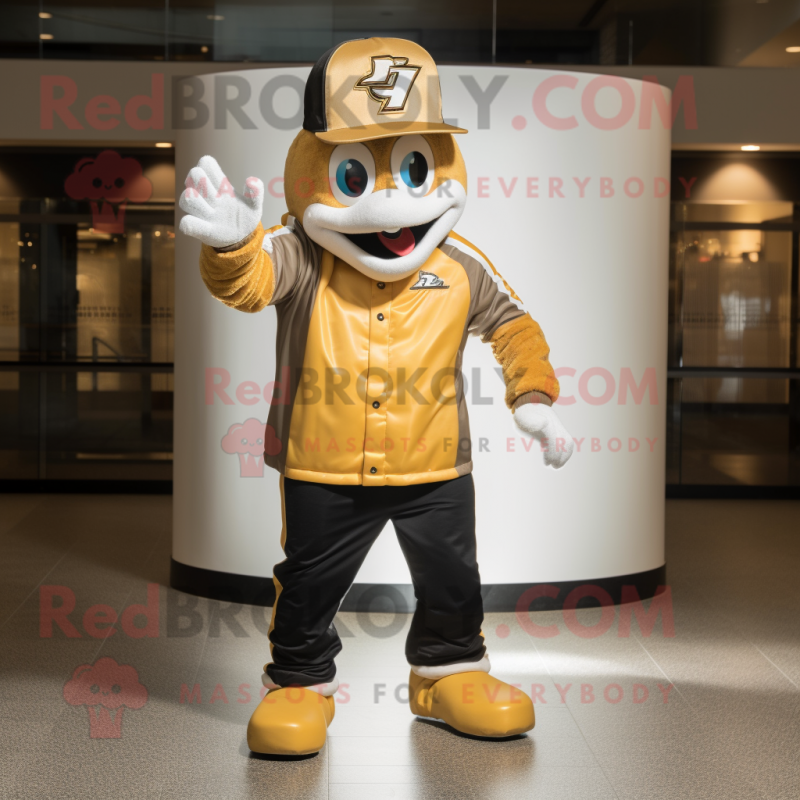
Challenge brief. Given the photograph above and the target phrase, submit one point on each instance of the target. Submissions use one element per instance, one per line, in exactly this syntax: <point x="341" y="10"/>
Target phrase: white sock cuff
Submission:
<point x="325" y="689"/>
<point x="434" y="673"/>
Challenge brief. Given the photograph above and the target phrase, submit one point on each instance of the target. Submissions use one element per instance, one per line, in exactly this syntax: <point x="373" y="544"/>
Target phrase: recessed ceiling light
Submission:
<point x="45" y="35"/>
<point x="793" y="49"/>
<point x="204" y="49"/>
<point x="215" y="17"/>
<point x="163" y="144"/>
<point x="751" y="147"/>
<point x="45" y="15"/>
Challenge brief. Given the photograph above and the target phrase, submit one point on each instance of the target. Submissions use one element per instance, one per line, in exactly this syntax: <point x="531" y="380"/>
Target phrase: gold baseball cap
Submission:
<point x="372" y="89"/>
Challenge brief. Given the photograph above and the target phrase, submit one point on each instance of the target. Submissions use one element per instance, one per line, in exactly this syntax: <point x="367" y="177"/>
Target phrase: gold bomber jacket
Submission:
<point x="368" y="380"/>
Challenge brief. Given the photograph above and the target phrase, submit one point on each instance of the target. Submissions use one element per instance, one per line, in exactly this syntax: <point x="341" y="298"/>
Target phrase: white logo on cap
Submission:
<point x="389" y="83"/>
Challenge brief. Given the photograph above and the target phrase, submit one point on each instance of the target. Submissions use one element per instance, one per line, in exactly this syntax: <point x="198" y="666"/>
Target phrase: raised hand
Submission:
<point x="541" y="422"/>
<point x="215" y="213"/>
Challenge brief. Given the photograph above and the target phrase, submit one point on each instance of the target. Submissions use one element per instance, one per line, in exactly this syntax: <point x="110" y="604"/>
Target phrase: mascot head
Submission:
<point x="376" y="176"/>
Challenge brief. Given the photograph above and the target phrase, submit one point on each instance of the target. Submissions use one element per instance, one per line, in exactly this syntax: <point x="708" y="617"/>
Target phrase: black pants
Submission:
<point x="327" y="532"/>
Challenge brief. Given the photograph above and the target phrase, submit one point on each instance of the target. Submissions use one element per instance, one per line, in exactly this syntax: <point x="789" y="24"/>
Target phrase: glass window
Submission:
<point x="607" y="32"/>
<point x="736" y="297"/>
<point x="86" y="315"/>
<point x="734" y="394"/>
<point x="744" y="443"/>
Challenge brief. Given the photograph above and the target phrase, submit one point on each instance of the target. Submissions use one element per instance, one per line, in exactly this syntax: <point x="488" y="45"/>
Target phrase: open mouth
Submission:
<point x="391" y="244"/>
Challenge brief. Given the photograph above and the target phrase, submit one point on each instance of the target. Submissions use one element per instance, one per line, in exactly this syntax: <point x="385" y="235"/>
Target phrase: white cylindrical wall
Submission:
<point x="588" y="257"/>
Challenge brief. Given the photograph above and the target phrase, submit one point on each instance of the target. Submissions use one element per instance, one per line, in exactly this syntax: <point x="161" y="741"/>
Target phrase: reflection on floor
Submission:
<point x="713" y="712"/>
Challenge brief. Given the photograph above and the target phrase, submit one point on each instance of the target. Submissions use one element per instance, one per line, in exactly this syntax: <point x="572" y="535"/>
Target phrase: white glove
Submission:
<point x="541" y="422"/>
<point x="215" y="214"/>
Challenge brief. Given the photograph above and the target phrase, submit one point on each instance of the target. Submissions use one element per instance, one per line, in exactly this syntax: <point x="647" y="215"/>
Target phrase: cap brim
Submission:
<point x="363" y="133"/>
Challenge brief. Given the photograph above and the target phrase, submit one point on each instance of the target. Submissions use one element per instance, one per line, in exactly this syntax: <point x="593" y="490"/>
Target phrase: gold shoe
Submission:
<point x="290" y="722"/>
<point x="473" y="703"/>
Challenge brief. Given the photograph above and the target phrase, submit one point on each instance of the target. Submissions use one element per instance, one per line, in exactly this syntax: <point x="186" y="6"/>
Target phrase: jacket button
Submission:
<point x="376" y="404"/>
<point x="381" y="285"/>
<point x="380" y="317"/>
<point x="373" y="470"/>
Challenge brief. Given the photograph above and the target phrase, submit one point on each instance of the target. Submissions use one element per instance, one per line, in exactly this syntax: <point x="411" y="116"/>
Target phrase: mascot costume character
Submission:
<point x="375" y="296"/>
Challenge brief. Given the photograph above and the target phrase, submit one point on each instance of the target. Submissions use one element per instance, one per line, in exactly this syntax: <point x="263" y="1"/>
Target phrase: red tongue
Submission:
<point x="400" y="245"/>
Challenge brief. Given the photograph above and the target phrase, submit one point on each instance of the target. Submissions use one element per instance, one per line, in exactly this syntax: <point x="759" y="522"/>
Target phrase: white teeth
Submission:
<point x="391" y="230"/>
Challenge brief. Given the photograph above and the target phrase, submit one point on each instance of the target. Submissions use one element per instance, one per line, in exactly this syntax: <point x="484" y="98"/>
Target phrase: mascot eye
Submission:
<point x="412" y="165"/>
<point x="119" y="183"/>
<point x="97" y="183"/>
<point x="244" y="441"/>
<point x="414" y="169"/>
<point x="351" y="177"/>
<point x="351" y="172"/>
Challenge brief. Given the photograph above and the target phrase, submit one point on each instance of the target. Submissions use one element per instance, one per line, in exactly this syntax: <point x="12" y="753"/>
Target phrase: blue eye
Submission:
<point x="351" y="177"/>
<point x="414" y="169"/>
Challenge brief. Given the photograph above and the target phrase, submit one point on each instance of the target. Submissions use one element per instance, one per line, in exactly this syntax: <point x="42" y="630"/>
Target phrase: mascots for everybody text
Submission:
<point x="375" y="295"/>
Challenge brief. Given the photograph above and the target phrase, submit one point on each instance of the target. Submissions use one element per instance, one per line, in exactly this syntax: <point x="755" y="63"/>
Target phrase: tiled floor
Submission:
<point x="711" y="712"/>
